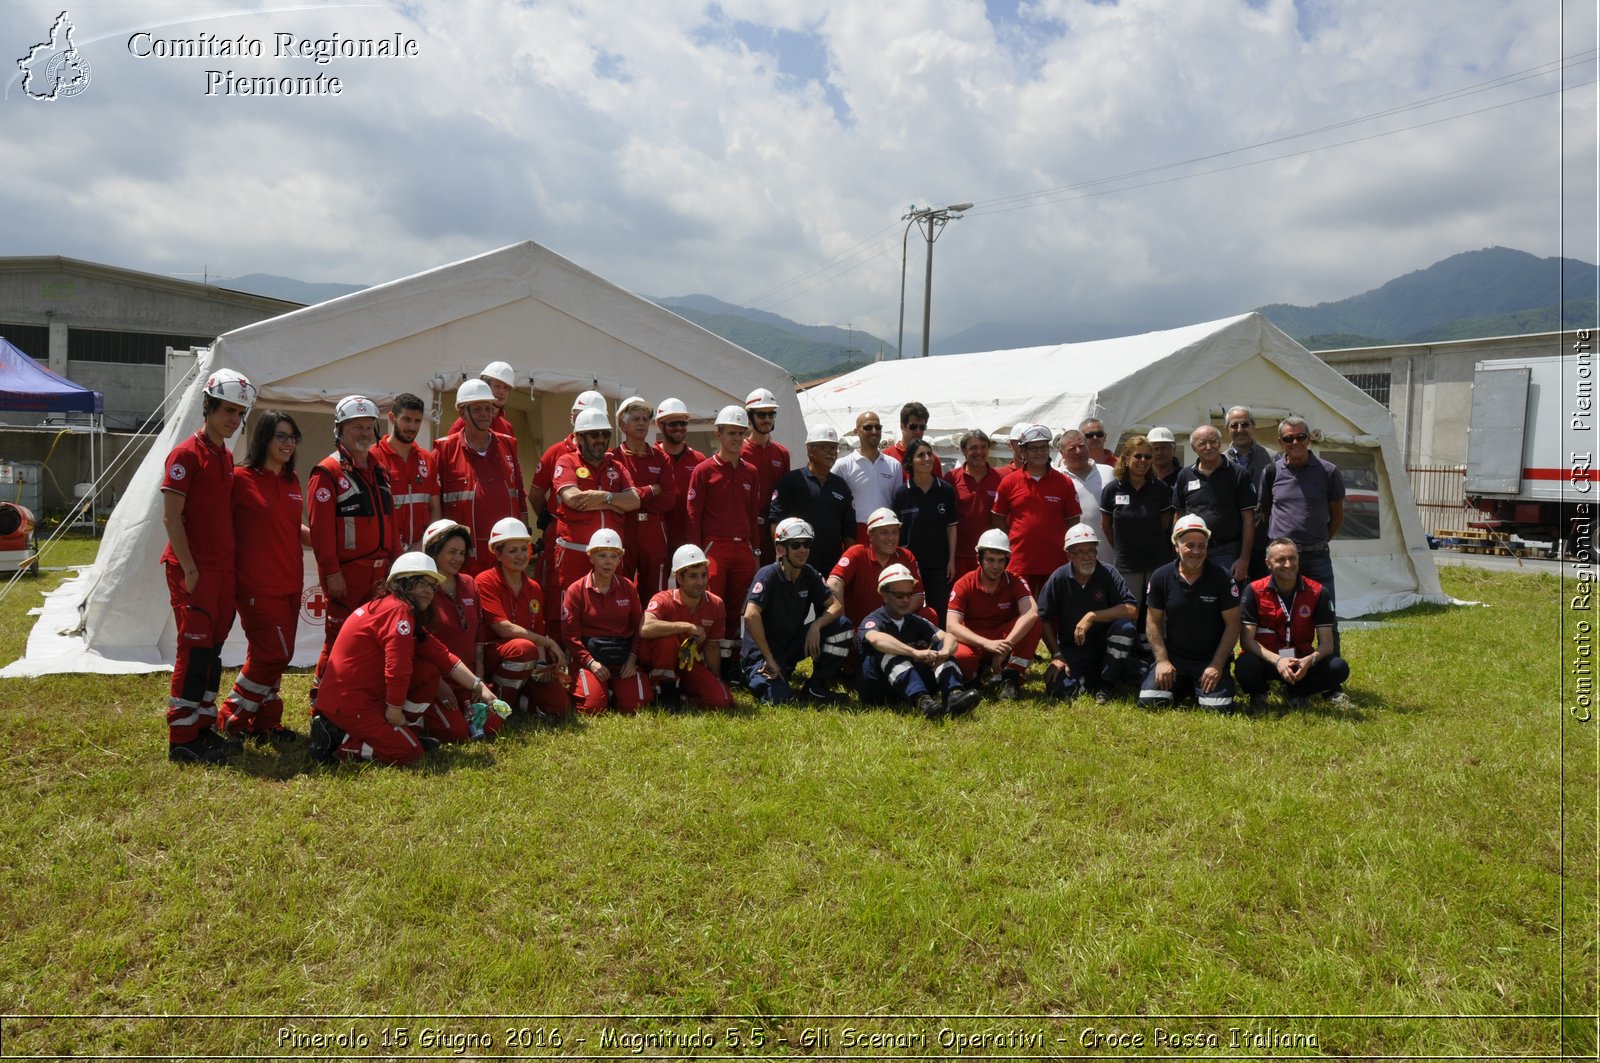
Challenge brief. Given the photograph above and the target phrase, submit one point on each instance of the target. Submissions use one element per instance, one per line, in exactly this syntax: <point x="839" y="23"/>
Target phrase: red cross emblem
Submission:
<point x="313" y="606"/>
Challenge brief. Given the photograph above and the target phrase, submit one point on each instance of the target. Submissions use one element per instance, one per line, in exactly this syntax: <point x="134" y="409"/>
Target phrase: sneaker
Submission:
<point x="1298" y="704"/>
<point x="325" y="739"/>
<point x="1336" y="697"/>
<point x="930" y="706"/>
<point x="227" y="746"/>
<point x="430" y="743"/>
<point x="1257" y="703"/>
<point x="1102" y="696"/>
<point x="820" y="696"/>
<point x="1007" y="688"/>
<point x="961" y="701"/>
<point x="669" y="698"/>
<point x="195" y="752"/>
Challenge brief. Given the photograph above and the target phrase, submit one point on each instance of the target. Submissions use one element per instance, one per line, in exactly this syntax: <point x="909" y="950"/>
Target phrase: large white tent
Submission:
<point x="1180" y="378"/>
<point x="563" y="328"/>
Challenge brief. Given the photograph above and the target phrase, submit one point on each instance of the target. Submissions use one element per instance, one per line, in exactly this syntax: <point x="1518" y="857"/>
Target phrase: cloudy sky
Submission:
<point x="1134" y="164"/>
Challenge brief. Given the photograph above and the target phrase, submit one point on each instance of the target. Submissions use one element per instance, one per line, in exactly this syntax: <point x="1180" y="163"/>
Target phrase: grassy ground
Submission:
<point x="1388" y="879"/>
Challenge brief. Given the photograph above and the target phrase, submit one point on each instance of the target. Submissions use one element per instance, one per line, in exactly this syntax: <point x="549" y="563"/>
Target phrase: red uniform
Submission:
<point x="1041" y="511"/>
<point x="723" y="504"/>
<point x="499" y="425"/>
<point x="587" y="613"/>
<point x="770" y="461"/>
<point x="269" y="578"/>
<point x="545" y="564"/>
<point x="381" y="659"/>
<point x="517" y="666"/>
<point x="974" y="507"/>
<point x="458" y="625"/>
<point x="683" y="466"/>
<point x="992" y="614"/>
<point x="859" y="568"/>
<point x="644" y="534"/>
<point x="202" y="472"/>
<point x="896" y="453"/>
<point x="479" y="489"/>
<point x="413" y="484"/>
<point x="352" y="534"/>
<point x="574" y="527"/>
<point x="660" y="656"/>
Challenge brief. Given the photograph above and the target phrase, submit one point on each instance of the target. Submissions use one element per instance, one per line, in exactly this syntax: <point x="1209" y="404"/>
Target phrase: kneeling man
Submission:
<point x="904" y="655"/>
<point x="678" y="625"/>
<point x="1192" y="621"/>
<point x="777" y="634"/>
<point x="1088" y="622"/>
<point x="1281" y="615"/>
<point x="994" y="620"/>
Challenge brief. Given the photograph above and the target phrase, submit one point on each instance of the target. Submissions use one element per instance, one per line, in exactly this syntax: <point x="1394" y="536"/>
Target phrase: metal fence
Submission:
<point x="1441" y="494"/>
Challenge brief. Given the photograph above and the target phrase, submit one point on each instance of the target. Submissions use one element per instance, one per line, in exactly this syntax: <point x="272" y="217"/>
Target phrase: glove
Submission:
<point x="688" y="655"/>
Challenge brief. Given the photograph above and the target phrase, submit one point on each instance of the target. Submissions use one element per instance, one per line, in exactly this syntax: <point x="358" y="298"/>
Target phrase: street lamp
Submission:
<point x="931" y="220"/>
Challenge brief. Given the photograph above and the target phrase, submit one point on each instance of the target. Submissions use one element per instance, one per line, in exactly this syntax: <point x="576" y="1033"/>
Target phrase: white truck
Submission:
<point x="1530" y="466"/>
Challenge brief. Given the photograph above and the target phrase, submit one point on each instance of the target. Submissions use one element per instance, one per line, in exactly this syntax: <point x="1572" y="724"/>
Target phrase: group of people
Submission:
<point x="653" y="573"/>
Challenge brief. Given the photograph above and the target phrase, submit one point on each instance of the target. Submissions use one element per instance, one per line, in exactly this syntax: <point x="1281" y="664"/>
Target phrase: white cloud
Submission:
<point x="683" y="146"/>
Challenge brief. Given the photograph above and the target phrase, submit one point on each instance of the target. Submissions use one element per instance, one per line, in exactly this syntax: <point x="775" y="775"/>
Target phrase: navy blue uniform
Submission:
<point x="925" y="521"/>
<point x="1108" y="649"/>
<point x="826" y="505"/>
<point x="785" y="607"/>
<point x="883" y="675"/>
<point x="1194" y="626"/>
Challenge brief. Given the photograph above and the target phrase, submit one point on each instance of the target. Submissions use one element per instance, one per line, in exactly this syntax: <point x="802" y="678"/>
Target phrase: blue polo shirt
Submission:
<point x="1194" y="623"/>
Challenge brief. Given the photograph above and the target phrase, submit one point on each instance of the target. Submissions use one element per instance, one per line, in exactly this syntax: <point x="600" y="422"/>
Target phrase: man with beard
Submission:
<point x="672" y="428"/>
<point x="592" y="491"/>
<point x="480" y="478"/>
<point x="413" y="473"/>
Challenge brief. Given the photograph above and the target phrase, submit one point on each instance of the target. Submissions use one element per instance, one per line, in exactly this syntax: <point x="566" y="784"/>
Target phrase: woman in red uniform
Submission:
<point x="384" y="671"/>
<point x="269" y="575"/>
<point x="522" y="661"/>
<point x="600" y="616"/>
<point x="458" y="623"/>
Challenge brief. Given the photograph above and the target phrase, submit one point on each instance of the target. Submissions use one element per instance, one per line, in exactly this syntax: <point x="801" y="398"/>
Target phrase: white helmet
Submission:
<point x="733" y="417"/>
<point x="472" y="391"/>
<point x="507" y="530"/>
<point x="686" y="556"/>
<point x="352" y="407"/>
<point x="882" y="517"/>
<point x="1160" y="435"/>
<point x="589" y="400"/>
<point x="1079" y="534"/>
<point x="1033" y="433"/>
<point x="761" y="399"/>
<point x="605" y="539"/>
<point x="630" y="403"/>
<point x="993" y="539"/>
<point x="1187" y="523"/>
<point x="670" y="408"/>
<point x="440" y="528"/>
<point x="894" y="574"/>
<point x="591" y="421"/>
<point x="821" y="432"/>
<point x="230" y="385"/>
<point x="793" y="529"/>
<point x="500" y="371"/>
<point x="415" y="563"/>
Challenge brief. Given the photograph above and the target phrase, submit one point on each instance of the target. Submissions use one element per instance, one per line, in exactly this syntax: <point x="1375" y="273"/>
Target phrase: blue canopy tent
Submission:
<point x="30" y="388"/>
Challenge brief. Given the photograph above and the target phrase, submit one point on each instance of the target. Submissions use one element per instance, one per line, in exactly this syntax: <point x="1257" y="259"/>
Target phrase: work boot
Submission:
<point x="325" y="739"/>
<point x="195" y="752"/>
<point x="820" y="696"/>
<point x="962" y="700"/>
<point x="227" y="746"/>
<point x="930" y="706"/>
<point x="1102" y="696"/>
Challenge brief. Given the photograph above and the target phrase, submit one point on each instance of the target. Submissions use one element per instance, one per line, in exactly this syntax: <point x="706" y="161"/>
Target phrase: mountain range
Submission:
<point x="1495" y="291"/>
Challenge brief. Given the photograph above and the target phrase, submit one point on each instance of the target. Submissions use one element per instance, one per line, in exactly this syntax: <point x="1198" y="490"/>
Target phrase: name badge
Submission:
<point x="1124" y="500"/>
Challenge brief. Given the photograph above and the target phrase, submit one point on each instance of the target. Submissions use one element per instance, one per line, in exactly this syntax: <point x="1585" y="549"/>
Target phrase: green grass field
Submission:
<point x="1414" y="875"/>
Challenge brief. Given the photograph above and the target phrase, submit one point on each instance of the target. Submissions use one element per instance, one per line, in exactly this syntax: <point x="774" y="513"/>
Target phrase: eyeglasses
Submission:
<point x="900" y="594"/>
<point x="1241" y="424"/>
<point x="596" y="434"/>
<point x="916" y="427"/>
<point x="1143" y="457"/>
<point x="1297" y="437"/>
<point x="285" y="437"/>
<point x="1094" y="435"/>
<point x="674" y="424"/>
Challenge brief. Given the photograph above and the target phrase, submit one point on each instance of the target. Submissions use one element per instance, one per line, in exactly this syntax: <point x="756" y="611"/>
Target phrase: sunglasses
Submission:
<point x="1143" y="457"/>
<point x="763" y="413"/>
<point x="1297" y="437"/>
<point x="674" y="424"/>
<point x="900" y="594"/>
<point x="1094" y="435"/>
<point x="1241" y="424"/>
<point x="916" y="427"/>
<point x="870" y="428"/>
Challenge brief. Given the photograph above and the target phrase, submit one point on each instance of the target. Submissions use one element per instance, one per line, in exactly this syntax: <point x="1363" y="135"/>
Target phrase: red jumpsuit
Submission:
<point x="352" y="533"/>
<point x="974" y="509"/>
<point x="499" y="425"/>
<point x="575" y="527"/>
<point x="723" y="504"/>
<point x="588" y="612"/>
<point x="859" y="567"/>
<point x="479" y="489"/>
<point x="992" y="615"/>
<point x="644" y="533"/>
<point x="660" y="656"/>
<point x="517" y="666"/>
<point x="381" y="659"/>
<point x="544" y="565"/>
<point x="269" y="577"/>
<point x="770" y="462"/>
<point x="458" y="625"/>
<point x="413" y="484"/>
<point x="677" y="518"/>
<point x="1041" y="510"/>
<point x="202" y="472"/>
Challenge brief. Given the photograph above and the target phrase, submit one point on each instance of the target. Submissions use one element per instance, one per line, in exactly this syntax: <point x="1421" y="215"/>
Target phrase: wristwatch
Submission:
<point x="608" y="498"/>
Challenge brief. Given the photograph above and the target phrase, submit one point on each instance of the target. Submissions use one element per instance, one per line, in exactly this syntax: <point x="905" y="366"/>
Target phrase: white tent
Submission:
<point x="1180" y="378"/>
<point x="562" y="327"/>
